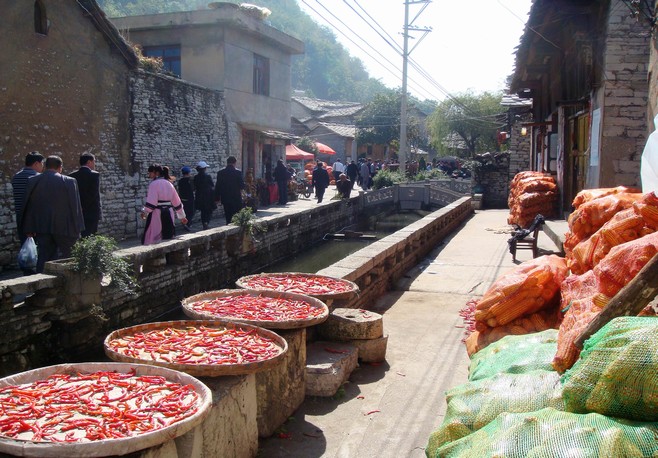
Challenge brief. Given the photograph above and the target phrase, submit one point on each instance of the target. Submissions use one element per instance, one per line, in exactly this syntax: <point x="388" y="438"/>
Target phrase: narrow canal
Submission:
<point x="330" y="250"/>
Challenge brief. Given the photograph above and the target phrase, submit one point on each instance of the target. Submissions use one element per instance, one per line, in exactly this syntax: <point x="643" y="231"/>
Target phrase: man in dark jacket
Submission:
<point x="320" y="180"/>
<point x="281" y="176"/>
<point x="204" y="190"/>
<point x="89" y="187"/>
<point x="228" y="190"/>
<point x="352" y="171"/>
<point x="52" y="213"/>
<point x="186" y="193"/>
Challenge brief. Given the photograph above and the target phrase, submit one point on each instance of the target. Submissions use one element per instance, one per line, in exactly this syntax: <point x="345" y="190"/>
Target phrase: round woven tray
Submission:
<point x="242" y="282"/>
<point x="199" y="370"/>
<point x="107" y="447"/>
<point x="269" y="324"/>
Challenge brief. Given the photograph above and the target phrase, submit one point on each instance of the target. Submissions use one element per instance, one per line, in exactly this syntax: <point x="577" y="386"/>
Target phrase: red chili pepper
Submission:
<point x="71" y="408"/>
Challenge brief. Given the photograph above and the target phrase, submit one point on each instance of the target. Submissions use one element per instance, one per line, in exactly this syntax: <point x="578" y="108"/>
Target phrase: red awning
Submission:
<point x="324" y="149"/>
<point x="295" y="154"/>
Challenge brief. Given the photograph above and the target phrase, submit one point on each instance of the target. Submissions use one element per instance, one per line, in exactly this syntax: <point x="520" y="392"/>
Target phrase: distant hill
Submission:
<point x="325" y="71"/>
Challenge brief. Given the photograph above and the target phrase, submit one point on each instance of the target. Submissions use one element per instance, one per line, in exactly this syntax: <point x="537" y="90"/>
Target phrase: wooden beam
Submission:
<point x="629" y="301"/>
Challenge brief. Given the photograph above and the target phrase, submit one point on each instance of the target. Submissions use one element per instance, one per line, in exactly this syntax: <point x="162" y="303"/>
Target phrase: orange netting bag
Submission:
<point x="528" y="288"/>
<point x="623" y="263"/>
<point x="581" y="302"/>
<point x="625" y="226"/>
<point x="593" y="214"/>
<point x="535" y="322"/>
<point x="648" y="209"/>
<point x="531" y="193"/>
<point x="590" y="194"/>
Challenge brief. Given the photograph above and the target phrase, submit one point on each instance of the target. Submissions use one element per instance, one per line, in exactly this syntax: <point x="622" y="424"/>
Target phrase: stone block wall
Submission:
<point x="158" y="120"/>
<point x="519" y="148"/>
<point x="624" y="95"/>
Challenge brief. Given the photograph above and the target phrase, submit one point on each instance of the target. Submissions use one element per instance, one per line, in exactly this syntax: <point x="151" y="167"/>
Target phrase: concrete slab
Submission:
<point x="328" y="366"/>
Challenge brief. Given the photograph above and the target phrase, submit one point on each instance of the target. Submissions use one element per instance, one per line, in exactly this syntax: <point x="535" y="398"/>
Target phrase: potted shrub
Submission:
<point x="249" y="226"/>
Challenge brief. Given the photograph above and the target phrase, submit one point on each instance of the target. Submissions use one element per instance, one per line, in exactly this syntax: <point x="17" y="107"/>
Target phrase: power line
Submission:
<point x="419" y="89"/>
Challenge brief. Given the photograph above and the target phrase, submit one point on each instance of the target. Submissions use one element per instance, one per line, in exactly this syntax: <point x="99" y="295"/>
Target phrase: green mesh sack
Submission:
<point x="473" y="405"/>
<point x="515" y="355"/>
<point x="549" y="433"/>
<point x="617" y="373"/>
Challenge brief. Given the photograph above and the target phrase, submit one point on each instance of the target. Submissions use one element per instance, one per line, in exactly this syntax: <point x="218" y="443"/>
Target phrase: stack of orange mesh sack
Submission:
<point x="585" y="295"/>
<point x="631" y="223"/>
<point x="522" y="301"/>
<point x="593" y="209"/>
<point x="531" y="193"/>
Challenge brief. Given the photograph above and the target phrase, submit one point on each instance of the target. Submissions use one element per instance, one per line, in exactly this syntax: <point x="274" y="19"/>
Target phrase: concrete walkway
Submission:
<point x="389" y="410"/>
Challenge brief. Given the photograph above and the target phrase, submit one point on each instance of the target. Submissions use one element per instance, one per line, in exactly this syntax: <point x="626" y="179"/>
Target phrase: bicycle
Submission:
<point x="304" y="188"/>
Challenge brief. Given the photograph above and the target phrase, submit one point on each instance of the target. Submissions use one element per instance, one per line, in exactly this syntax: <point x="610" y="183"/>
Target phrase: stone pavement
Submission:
<point x="389" y="410"/>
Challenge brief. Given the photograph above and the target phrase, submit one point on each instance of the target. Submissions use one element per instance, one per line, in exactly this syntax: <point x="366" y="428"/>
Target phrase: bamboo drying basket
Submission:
<point x="107" y="447"/>
<point x="282" y="324"/>
<point x="327" y="298"/>
<point x="199" y="370"/>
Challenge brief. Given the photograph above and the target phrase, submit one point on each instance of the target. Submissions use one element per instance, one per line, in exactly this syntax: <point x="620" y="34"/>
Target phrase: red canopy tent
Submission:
<point x="324" y="149"/>
<point x="295" y="154"/>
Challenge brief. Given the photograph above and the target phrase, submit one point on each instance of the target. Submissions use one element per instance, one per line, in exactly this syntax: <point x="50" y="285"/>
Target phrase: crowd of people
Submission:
<point x="56" y="209"/>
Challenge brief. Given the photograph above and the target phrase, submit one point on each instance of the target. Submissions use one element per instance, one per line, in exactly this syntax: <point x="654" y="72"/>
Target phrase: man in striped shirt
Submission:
<point x="33" y="166"/>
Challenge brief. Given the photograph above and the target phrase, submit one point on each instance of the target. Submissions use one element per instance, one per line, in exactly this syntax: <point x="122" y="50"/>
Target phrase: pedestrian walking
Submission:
<point x="52" y="212"/>
<point x="338" y="168"/>
<point x="186" y="194"/>
<point x="365" y="175"/>
<point x="228" y="189"/>
<point x="352" y="171"/>
<point x="89" y="187"/>
<point x="320" y="180"/>
<point x="282" y="176"/>
<point x="33" y="167"/>
<point x="204" y="191"/>
<point x="162" y="201"/>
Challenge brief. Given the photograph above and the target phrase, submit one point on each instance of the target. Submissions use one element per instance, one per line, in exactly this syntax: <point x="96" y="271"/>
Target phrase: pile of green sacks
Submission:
<point x="516" y="405"/>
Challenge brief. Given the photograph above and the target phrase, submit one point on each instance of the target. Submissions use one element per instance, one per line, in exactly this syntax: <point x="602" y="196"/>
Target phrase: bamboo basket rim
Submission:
<point x="287" y="324"/>
<point x="200" y="370"/>
<point x="354" y="288"/>
<point x="107" y="447"/>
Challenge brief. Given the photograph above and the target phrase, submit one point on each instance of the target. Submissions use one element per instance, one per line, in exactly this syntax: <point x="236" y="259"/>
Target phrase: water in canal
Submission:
<point x="328" y="251"/>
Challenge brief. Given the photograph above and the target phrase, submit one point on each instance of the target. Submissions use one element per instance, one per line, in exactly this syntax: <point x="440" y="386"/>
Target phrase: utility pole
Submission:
<point x="408" y="26"/>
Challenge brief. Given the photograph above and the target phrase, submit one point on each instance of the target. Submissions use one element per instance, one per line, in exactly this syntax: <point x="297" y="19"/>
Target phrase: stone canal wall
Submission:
<point x="57" y="316"/>
<point x="378" y="266"/>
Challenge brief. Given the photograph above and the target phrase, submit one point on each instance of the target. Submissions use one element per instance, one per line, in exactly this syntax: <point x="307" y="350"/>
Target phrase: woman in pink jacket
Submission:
<point x="162" y="201"/>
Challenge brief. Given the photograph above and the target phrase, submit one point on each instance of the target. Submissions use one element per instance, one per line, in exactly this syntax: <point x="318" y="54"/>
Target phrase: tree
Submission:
<point x="308" y="144"/>
<point x="379" y="123"/>
<point x="469" y="118"/>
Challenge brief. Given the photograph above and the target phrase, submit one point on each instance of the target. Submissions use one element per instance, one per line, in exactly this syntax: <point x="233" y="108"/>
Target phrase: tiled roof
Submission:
<point x="329" y="108"/>
<point x="344" y="130"/>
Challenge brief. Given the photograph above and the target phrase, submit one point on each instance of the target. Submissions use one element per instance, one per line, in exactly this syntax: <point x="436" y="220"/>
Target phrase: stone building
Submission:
<point x="229" y="48"/>
<point x="329" y="122"/>
<point x="71" y="84"/>
<point x="585" y="66"/>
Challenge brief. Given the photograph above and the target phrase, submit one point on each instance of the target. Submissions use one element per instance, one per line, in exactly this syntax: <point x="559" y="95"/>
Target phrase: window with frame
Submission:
<point x="169" y="54"/>
<point x="261" y="75"/>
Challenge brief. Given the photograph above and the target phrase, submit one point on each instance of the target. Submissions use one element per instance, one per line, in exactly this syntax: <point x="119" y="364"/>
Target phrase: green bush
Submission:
<point x="94" y="255"/>
<point x="387" y="178"/>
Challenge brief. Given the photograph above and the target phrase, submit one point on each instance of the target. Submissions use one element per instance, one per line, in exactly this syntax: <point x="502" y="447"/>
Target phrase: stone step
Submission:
<point x="346" y="324"/>
<point x="328" y="366"/>
<point x="371" y="350"/>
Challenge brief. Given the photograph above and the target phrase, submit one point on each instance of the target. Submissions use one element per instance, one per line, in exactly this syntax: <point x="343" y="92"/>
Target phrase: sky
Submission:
<point x="471" y="45"/>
